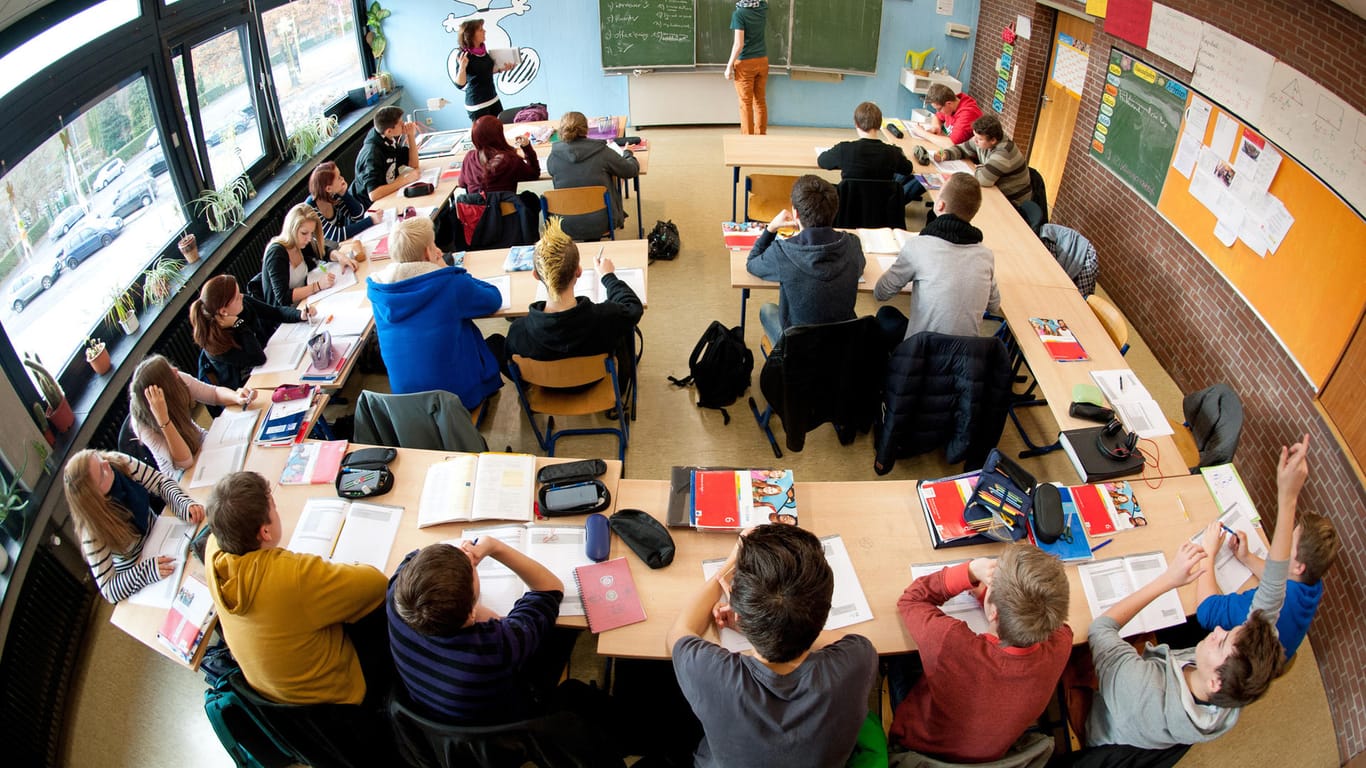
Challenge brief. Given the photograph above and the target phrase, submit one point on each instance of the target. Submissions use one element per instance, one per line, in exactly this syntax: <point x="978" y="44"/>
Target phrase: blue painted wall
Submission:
<point x="566" y="70"/>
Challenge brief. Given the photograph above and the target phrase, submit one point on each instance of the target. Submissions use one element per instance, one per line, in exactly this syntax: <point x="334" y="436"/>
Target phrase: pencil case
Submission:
<point x="1002" y="500"/>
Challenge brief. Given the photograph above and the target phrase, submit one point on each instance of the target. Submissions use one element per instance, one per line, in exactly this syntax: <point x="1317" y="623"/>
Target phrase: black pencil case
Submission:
<point x="571" y="471"/>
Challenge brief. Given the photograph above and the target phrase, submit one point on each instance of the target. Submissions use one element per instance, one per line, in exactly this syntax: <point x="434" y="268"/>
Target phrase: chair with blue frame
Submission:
<point x="574" y="386"/>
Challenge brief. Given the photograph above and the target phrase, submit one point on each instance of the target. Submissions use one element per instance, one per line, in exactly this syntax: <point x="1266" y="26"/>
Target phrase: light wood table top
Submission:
<point x="884" y="529"/>
<point x="779" y="151"/>
<point x="410" y="470"/>
<point x="625" y="254"/>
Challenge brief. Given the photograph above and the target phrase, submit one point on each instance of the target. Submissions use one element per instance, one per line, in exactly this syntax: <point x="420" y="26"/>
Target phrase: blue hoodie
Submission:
<point x="1301" y="602"/>
<point x="426" y="336"/>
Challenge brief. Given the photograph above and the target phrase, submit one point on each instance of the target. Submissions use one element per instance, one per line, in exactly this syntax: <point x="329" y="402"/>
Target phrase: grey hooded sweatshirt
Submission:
<point x="818" y="270"/>
<point x="586" y="163"/>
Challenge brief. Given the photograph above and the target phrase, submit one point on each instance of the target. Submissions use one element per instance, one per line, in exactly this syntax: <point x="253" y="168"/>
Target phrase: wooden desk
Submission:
<point x="625" y="254"/>
<point x="437" y="197"/>
<point x="410" y="469"/>
<point x="773" y="151"/>
<point x="884" y="529"/>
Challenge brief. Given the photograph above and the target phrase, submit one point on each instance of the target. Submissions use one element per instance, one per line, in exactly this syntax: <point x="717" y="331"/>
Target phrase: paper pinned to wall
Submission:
<point x="1225" y="132"/>
<point x="1319" y="129"/>
<point x="1174" y="36"/>
<point x="1233" y="72"/>
<point x="1197" y="117"/>
<point x="1186" y="152"/>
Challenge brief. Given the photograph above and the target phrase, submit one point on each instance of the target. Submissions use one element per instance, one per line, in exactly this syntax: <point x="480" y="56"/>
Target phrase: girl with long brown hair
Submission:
<point x="160" y="400"/>
<point x="343" y="215"/>
<point x="233" y="329"/>
<point x="110" y="498"/>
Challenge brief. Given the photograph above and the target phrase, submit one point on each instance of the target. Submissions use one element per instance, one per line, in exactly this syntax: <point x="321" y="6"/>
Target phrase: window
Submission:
<point x="314" y="56"/>
<point x="83" y="214"/>
<point x="62" y="38"/>
<point x="227" y="114"/>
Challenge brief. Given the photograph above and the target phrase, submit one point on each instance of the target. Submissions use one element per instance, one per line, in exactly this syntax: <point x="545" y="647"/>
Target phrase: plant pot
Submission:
<point x="62" y="418"/>
<point x="100" y="362"/>
<point x="50" y="437"/>
<point x="189" y="248"/>
<point x="129" y="324"/>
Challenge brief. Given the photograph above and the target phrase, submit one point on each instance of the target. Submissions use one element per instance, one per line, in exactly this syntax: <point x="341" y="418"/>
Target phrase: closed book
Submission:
<point x="313" y="463"/>
<point x="609" y="595"/>
<point x="1092" y="465"/>
<point x="716" y="500"/>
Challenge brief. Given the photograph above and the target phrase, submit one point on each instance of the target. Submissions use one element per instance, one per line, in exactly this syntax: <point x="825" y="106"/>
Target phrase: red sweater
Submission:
<point x="475" y="178"/>
<point x="959" y="125"/>
<point x="976" y="697"/>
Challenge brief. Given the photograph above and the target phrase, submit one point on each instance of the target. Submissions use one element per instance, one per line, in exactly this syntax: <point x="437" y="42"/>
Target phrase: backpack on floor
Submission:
<point x="720" y="367"/>
<point x="663" y="241"/>
<point x="246" y="742"/>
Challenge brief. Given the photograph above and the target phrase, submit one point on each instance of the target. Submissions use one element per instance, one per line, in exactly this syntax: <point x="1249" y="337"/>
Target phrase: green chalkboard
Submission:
<point x="647" y="33"/>
<point x="1137" y="124"/>
<point x="715" y="37"/>
<point x="836" y="34"/>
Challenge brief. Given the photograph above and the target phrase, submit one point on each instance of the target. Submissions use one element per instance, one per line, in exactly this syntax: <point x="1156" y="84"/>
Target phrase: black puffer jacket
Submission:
<point x="824" y="373"/>
<point x="944" y="390"/>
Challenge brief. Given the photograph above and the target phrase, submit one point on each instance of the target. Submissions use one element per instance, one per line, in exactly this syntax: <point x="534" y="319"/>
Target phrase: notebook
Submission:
<point x="609" y="595"/>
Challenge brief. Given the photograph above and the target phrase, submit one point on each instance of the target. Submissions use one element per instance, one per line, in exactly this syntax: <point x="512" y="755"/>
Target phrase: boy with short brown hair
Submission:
<point x="869" y="157"/>
<point x="1000" y="163"/>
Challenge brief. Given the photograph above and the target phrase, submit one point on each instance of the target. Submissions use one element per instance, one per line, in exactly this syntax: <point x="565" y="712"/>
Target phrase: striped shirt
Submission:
<point x="472" y="676"/>
<point x="1003" y="166"/>
<point x="119" y="574"/>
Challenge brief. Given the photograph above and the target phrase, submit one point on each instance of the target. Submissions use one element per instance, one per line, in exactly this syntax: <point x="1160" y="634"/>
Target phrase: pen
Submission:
<point x="1229" y="530"/>
<point x="1183" y="508"/>
<point x="328" y="320"/>
<point x="1101" y="545"/>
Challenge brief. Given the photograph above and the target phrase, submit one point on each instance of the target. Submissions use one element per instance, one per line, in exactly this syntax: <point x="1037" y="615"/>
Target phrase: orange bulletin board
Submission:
<point x="1312" y="289"/>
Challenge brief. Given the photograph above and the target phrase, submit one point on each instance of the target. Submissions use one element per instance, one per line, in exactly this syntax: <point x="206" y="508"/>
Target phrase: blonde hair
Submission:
<point x="409" y="240"/>
<point x="573" y="126"/>
<point x="157" y="370"/>
<point x="296" y="218"/>
<point x="1029" y="590"/>
<point x="98" y="517"/>
<point x="557" y="258"/>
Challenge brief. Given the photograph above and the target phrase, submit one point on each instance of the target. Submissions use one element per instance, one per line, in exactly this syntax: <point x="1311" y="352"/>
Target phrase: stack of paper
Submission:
<point x="1132" y="404"/>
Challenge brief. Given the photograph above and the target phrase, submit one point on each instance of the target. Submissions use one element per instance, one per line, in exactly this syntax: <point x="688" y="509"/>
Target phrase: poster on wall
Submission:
<point x="1318" y="128"/>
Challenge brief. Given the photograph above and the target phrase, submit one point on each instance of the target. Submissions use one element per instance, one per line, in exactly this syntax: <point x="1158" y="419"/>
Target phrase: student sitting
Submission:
<point x="160" y="399"/>
<point x="999" y="162"/>
<point x="343" y="216"/>
<point x="1315" y="547"/>
<point x="954" y="274"/>
<point x="458" y="660"/>
<point x="568" y="326"/>
<point x="423" y="312"/>
<point x="233" y="328"/>
<point x="800" y="699"/>
<point x="953" y="113"/>
<point x="869" y="157"/>
<point x="388" y="159"/>
<point x="293" y="254"/>
<point x="282" y="612"/>
<point x="817" y="269"/>
<point x="1009" y="672"/>
<point x="493" y="165"/>
<point x="1167" y="697"/>
<point x="578" y="161"/>
<point x="109" y="498"/>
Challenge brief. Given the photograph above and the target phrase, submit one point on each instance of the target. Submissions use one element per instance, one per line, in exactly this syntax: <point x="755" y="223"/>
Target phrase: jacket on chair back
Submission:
<point x="824" y="373"/>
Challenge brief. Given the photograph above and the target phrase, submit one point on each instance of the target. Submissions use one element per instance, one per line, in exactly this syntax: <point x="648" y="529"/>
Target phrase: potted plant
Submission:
<point x="56" y="409"/>
<point x="222" y="208"/>
<point x="189" y="247"/>
<point x="159" y="280"/>
<point x="374" y="30"/>
<point x="98" y="356"/>
<point x="14" y="499"/>
<point x="310" y="137"/>
<point x="43" y="424"/>
<point x="124" y="309"/>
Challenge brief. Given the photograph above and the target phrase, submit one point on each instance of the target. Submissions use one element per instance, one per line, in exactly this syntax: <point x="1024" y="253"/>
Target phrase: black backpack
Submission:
<point x="663" y="241"/>
<point x="720" y="366"/>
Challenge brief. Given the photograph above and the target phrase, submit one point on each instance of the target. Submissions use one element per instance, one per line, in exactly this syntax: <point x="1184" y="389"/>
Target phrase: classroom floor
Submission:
<point x="163" y="722"/>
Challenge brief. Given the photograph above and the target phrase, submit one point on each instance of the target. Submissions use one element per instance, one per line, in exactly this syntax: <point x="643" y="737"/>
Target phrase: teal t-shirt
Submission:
<point x="752" y="21"/>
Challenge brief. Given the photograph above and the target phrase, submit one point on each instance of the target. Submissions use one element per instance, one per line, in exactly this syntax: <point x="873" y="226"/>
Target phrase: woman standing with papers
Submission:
<point x="233" y="329"/>
<point x="110" y="497"/>
<point x="475" y="75"/>
<point x="159" y="401"/>
<point x="748" y="65"/>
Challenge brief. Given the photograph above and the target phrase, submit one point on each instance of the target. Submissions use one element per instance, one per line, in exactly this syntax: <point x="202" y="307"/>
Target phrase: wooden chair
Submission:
<point x="576" y="201"/>
<point x="575" y="386"/>
<point x="766" y="194"/>
<point x="1109" y="316"/>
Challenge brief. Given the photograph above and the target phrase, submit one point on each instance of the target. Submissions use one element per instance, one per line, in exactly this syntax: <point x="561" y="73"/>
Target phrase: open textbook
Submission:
<point x="560" y="548"/>
<point x="478" y="486"/>
<point x="848" y="604"/>
<point x="591" y="286"/>
<point x="964" y="606"/>
<point x="224" y="449"/>
<point x="169" y="537"/>
<point x="1106" y="582"/>
<point x="1132" y="403"/>
<point x="347" y="531"/>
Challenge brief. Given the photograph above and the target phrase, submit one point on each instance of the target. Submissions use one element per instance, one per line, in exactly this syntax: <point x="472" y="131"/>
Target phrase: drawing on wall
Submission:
<point x="513" y="80"/>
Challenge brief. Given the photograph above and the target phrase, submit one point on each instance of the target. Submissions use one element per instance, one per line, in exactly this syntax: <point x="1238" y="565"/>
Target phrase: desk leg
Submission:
<point x="744" y="299"/>
<point x="734" y="190"/>
<point x="640" y="223"/>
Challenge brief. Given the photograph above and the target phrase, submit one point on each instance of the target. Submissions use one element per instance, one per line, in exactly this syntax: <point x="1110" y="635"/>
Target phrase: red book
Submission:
<point x="1057" y="338"/>
<point x="382" y="247"/>
<point x="944" y="502"/>
<point x="716" y="500"/>
<point x="1095" y="513"/>
<point x="609" y="595"/>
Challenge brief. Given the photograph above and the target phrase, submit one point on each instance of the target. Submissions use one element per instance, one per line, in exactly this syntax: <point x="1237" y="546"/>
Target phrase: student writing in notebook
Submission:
<point x="281" y="612"/>
<point x="801" y="698"/>
<point x="1000" y="163"/>
<point x="1007" y="674"/>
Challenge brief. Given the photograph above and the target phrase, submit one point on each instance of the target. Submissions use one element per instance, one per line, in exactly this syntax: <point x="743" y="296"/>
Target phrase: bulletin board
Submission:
<point x="1311" y="290"/>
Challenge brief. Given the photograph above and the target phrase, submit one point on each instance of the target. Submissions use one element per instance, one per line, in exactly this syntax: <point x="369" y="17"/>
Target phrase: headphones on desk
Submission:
<point x="1116" y="443"/>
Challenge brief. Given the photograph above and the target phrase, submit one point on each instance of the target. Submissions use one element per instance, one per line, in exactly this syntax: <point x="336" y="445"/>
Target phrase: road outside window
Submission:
<point x="314" y="57"/>
<point x="226" y="111"/>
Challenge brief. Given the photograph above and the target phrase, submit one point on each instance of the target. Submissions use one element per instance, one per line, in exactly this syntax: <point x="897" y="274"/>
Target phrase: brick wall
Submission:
<point x="1200" y="329"/>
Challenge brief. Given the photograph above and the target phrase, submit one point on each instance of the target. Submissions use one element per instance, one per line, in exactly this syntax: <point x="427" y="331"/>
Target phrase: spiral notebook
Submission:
<point x="609" y="595"/>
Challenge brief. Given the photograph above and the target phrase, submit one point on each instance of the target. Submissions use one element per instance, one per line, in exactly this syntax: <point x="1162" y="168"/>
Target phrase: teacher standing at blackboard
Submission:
<point x="475" y="76"/>
<point x="748" y="65"/>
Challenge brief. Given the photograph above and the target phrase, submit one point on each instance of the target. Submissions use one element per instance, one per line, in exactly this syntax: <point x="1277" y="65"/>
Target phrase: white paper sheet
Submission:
<point x="963" y="606"/>
<point x="1106" y="582"/>
<point x="1197" y="117"/>
<point x="345" y="278"/>
<point x="1174" y="36"/>
<point x="169" y="537"/>
<point x="503" y="283"/>
<point x="1229" y="572"/>
<point x="316" y="530"/>
<point x="368" y="535"/>
<point x="1225" y="133"/>
<point x="1233" y="72"/>
<point x="1228" y="490"/>
<point x="281" y="357"/>
<point x="560" y="549"/>
<point x="214" y="464"/>
<point x="1187" y="149"/>
<point x="504" y="485"/>
<point x="1319" y="129"/>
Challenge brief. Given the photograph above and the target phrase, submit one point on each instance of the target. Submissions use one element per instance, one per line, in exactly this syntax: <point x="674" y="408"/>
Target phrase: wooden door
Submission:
<point x="1061" y="100"/>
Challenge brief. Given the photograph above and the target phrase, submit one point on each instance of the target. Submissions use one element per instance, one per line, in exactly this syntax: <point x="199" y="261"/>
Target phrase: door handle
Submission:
<point x="1047" y="100"/>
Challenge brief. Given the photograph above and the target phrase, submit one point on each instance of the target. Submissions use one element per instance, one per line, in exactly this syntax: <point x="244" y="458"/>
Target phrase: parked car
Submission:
<point x="158" y="164"/>
<point x="64" y="221"/>
<point x="153" y="141"/>
<point x="112" y="169"/>
<point x="138" y="193"/>
<point x="32" y="282"/>
<point x="92" y="235"/>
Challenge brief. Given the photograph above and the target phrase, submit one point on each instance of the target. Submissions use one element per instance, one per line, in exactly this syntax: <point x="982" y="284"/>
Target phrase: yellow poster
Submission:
<point x="1096" y="7"/>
